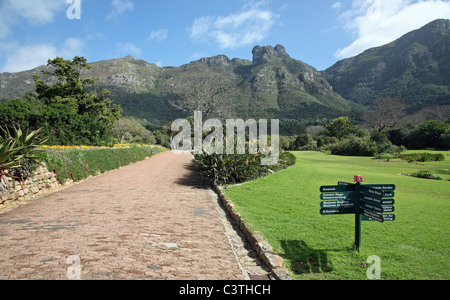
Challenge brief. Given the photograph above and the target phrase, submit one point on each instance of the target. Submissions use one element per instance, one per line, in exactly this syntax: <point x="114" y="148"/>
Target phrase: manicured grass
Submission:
<point x="285" y="206"/>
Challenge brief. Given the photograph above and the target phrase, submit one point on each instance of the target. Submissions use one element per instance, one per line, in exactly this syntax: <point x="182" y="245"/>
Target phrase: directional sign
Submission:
<point x="372" y="192"/>
<point x="345" y="183"/>
<point x="337" y="188"/>
<point x="368" y="202"/>
<point x="388" y="194"/>
<point x="337" y="211"/>
<point x="372" y="215"/>
<point x="383" y="187"/>
<point x="386" y="218"/>
<point x="337" y="196"/>
<point x="376" y="200"/>
<point x="337" y="204"/>
<point x="377" y="208"/>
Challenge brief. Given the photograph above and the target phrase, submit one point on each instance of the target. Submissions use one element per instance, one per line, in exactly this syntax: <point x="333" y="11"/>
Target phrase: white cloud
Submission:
<point x="119" y="7"/>
<point x="246" y="27"/>
<point x="128" y="49"/>
<point x="34" y="12"/>
<point x="159" y="35"/>
<point x="337" y="5"/>
<point x="378" y="22"/>
<point x="32" y="56"/>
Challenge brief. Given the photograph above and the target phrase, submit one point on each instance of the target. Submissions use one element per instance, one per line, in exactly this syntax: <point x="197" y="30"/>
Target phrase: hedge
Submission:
<point x="78" y="164"/>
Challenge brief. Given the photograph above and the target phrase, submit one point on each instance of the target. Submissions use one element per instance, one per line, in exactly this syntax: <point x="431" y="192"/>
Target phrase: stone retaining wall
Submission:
<point x="18" y="193"/>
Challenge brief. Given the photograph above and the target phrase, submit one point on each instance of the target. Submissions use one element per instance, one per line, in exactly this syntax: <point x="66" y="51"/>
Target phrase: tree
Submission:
<point x="208" y="94"/>
<point x="340" y="128"/>
<point x="131" y="128"/>
<point x="385" y="113"/>
<point x="70" y="90"/>
<point x="431" y="134"/>
<point x="301" y="141"/>
<point x="65" y="111"/>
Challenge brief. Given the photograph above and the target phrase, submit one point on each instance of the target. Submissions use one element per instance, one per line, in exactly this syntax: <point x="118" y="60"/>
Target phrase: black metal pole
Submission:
<point x="357" y="217"/>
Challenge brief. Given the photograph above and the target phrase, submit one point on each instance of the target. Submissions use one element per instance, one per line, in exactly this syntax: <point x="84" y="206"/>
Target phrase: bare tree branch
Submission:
<point x="385" y="113"/>
<point x="208" y="94"/>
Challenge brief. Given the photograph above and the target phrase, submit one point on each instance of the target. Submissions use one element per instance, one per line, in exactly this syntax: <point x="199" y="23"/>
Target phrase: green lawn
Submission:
<point x="285" y="207"/>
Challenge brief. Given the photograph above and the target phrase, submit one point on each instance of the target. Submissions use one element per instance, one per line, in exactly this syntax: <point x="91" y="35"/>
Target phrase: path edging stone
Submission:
<point x="256" y="240"/>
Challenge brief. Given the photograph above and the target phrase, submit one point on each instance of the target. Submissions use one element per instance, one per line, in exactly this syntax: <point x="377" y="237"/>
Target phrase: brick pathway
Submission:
<point x="151" y="220"/>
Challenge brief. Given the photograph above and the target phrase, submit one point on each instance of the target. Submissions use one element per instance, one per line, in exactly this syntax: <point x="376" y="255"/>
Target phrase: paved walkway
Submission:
<point x="150" y="220"/>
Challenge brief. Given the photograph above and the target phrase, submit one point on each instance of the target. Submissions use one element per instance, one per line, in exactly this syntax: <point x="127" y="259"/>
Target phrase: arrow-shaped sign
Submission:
<point x="377" y="208"/>
<point x="337" y="196"/>
<point x="386" y="218"/>
<point x="383" y="187"/>
<point x="372" y="215"/>
<point x="337" y="204"/>
<point x="377" y="200"/>
<point x="338" y="211"/>
<point x="372" y="192"/>
<point x="337" y="188"/>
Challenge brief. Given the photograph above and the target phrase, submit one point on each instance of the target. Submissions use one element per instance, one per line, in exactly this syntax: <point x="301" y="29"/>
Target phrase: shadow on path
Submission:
<point x="192" y="178"/>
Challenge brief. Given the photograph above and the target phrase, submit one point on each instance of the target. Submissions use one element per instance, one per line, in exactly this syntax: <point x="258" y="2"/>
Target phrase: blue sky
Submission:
<point x="175" y="32"/>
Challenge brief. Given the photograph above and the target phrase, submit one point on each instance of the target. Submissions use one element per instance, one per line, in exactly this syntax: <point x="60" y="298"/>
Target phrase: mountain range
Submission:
<point x="414" y="69"/>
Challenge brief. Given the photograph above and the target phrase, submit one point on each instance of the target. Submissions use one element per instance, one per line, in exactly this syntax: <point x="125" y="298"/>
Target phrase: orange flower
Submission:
<point x="246" y="162"/>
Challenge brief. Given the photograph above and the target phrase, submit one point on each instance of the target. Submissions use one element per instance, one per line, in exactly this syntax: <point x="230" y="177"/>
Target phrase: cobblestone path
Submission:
<point x="151" y="220"/>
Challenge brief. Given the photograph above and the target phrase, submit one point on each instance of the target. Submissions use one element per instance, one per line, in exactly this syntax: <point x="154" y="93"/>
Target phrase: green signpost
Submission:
<point x="368" y="202"/>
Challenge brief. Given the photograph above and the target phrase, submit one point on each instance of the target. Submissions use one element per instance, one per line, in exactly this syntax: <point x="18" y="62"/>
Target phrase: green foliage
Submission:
<point x="18" y="152"/>
<point x="302" y="141"/>
<point x="237" y="168"/>
<point x="412" y="157"/>
<point x="65" y="111"/>
<point x="430" y="134"/>
<point x="422" y="157"/>
<point x="354" y="146"/>
<point x="426" y="175"/>
<point x="341" y="128"/>
<point x="132" y="130"/>
<point x="79" y="164"/>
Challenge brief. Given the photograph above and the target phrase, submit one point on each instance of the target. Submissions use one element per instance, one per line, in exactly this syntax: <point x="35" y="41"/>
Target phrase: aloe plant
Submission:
<point x="19" y="148"/>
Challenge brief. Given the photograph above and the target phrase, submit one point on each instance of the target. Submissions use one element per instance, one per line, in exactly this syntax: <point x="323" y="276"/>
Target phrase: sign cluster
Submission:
<point x="368" y="202"/>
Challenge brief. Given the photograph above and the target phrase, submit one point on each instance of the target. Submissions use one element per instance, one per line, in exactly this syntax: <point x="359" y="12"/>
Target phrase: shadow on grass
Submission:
<point x="306" y="260"/>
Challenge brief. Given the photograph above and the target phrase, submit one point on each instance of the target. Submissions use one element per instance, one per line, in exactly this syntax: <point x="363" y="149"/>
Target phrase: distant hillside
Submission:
<point x="273" y="85"/>
<point x="414" y="69"/>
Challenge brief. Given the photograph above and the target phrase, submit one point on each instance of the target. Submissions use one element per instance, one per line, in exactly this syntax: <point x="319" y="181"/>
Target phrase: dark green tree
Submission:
<point x="71" y="91"/>
<point x="67" y="113"/>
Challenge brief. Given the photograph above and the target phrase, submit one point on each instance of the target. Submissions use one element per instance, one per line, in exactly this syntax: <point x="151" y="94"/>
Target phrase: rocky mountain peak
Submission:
<point x="265" y="54"/>
<point x="218" y="61"/>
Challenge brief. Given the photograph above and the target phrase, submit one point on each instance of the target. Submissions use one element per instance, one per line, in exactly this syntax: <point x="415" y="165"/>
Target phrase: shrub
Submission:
<point x="354" y="146"/>
<point x="78" y="164"/>
<point x="422" y="157"/>
<point x="237" y="168"/>
<point x="19" y="153"/>
<point x="426" y="175"/>
<point x="303" y="142"/>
